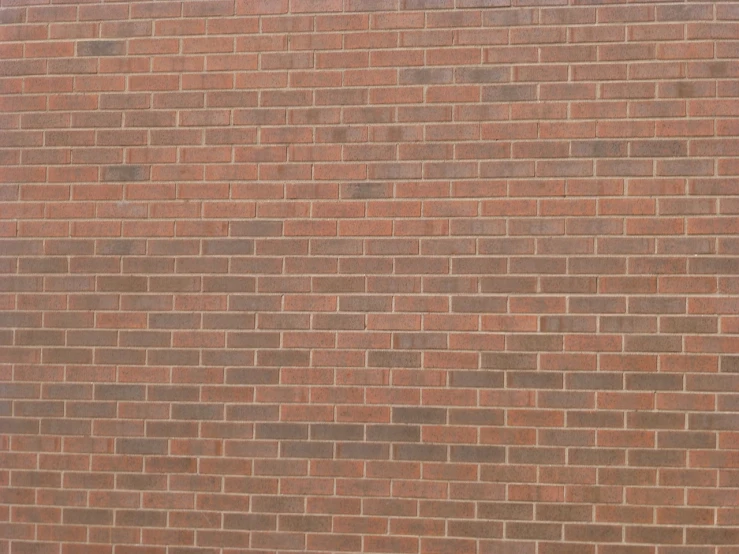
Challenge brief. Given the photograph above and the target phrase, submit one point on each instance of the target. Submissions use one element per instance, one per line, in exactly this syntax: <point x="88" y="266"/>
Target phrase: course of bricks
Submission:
<point x="402" y="276"/>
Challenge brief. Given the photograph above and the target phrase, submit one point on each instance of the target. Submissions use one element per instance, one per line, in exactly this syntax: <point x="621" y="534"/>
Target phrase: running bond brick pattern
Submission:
<point x="403" y="276"/>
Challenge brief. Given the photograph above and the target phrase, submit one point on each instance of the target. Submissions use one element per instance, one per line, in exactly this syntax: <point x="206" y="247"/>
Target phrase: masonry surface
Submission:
<point x="403" y="276"/>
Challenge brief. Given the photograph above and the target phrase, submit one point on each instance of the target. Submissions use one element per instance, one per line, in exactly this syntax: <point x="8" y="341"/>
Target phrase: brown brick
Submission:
<point x="477" y="454"/>
<point x="87" y="516"/>
<point x="336" y="431"/>
<point x="363" y="451"/>
<point x="306" y="449"/>
<point x="252" y="413"/>
<point x="142" y="518"/>
<point x="394" y="359"/>
<point x="712" y="535"/>
<point x="125" y="173"/>
<point x="197" y="411"/>
<point x="101" y="48"/>
<point x="420" y="452"/>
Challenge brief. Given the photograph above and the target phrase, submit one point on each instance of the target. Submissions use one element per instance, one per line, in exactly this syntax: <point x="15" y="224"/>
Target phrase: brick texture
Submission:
<point x="404" y="276"/>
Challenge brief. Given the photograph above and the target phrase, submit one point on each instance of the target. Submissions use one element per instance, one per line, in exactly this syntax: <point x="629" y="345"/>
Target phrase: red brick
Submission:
<point x="500" y="296"/>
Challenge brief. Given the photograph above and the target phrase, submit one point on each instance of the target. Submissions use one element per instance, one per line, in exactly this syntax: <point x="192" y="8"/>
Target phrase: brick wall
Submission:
<point x="406" y="276"/>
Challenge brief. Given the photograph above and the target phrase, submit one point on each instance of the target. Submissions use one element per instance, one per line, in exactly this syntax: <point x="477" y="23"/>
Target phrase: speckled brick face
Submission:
<point x="400" y="276"/>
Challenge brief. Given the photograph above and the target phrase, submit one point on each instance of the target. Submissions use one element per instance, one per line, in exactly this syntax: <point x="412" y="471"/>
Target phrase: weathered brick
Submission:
<point x="101" y="48"/>
<point x="125" y="173"/>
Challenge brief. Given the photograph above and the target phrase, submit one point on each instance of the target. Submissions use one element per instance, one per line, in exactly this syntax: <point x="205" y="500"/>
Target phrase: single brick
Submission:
<point x="125" y="173"/>
<point x="101" y="48"/>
